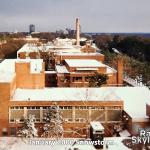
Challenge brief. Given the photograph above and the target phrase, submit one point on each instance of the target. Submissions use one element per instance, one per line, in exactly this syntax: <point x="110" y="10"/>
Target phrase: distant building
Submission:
<point x="31" y="28"/>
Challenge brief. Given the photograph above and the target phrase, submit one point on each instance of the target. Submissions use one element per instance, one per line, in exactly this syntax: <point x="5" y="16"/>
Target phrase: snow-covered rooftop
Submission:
<point x="135" y="98"/>
<point x="65" y="94"/>
<point x="6" y="77"/>
<point x="97" y="126"/>
<point x="50" y="72"/>
<point x="83" y="63"/>
<point x="110" y="70"/>
<point x="65" y="50"/>
<point x="30" y="48"/>
<point x="61" y="69"/>
<point x="8" y="65"/>
<point x="86" y="69"/>
<point x="80" y="54"/>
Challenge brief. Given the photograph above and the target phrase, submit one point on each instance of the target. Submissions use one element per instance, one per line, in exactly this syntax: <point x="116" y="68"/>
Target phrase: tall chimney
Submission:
<point x="120" y="71"/>
<point x="77" y="32"/>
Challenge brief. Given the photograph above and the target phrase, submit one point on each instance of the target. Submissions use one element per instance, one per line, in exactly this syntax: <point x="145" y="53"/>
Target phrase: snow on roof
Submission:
<point x="80" y="54"/>
<point x="124" y="133"/>
<point x="8" y="65"/>
<point x="83" y="63"/>
<point x="64" y="50"/>
<point x="110" y="70"/>
<point x="97" y="126"/>
<point x="6" y="77"/>
<point x="30" y="48"/>
<point x="64" y="94"/>
<point x="61" y="69"/>
<point x="50" y="72"/>
<point x="134" y="98"/>
<point x="86" y="69"/>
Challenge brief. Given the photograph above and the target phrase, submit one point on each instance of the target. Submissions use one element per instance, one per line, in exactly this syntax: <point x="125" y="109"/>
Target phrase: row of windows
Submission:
<point x="38" y="120"/>
<point x="67" y="107"/>
<point x="21" y="107"/>
<point x="22" y="120"/>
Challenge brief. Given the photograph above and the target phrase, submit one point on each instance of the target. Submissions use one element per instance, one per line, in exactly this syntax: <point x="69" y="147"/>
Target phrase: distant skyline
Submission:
<point x="95" y="15"/>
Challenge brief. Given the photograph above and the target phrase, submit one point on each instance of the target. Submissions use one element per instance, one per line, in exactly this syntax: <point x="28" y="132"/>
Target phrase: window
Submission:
<point x="80" y="120"/>
<point x="114" y="108"/>
<point x="66" y="107"/>
<point x="12" y="131"/>
<point x="12" y="120"/>
<point x="17" y="107"/>
<point x="77" y="79"/>
<point x="46" y="107"/>
<point x="97" y="108"/>
<point x="67" y="120"/>
<point x="33" y="107"/>
<point x="82" y="107"/>
<point x="4" y="132"/>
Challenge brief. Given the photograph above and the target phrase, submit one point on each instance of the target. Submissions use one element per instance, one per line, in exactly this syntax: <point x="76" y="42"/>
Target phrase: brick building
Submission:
<point x="23" y="92"/>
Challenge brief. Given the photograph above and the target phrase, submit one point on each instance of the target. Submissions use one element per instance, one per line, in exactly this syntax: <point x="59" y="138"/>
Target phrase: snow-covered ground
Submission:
<point x="12" y="143"/>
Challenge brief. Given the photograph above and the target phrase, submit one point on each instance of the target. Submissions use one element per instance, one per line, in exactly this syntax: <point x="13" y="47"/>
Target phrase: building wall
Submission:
<point x="76" y="116"/>
<point x="67" y="80"/>
<point x="26" y="79"/>
<point x="61" y="58"/>
<point x="4" y="105"/>
<point x="112" y="80"/>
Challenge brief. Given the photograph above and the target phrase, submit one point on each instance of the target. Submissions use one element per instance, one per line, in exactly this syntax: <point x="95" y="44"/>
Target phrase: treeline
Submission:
<point x="135" y="52"/>
<point x="9" y="50"/>
<point x="132" y="67"/>
<point x="136" y="47"/>
<point x="47" y="36"/>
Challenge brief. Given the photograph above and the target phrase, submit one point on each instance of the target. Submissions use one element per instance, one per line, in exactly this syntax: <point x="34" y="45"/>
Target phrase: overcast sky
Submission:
<point x="95" y="15"/>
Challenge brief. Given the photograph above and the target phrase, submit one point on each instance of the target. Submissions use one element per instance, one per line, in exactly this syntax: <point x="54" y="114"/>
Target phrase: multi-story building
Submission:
<point x="31" y="28"/>
<point x="70" y="67"/>
<point x="27" y="88"/>
<point x="23" y="92"/>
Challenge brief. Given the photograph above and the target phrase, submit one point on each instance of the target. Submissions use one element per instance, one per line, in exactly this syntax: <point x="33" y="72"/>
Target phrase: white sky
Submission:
<point x="95" y="15"/>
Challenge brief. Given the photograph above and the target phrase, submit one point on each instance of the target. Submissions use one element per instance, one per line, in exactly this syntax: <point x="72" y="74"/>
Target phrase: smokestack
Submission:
<point x="77" y="32"/>
<point x="120" y="71"/>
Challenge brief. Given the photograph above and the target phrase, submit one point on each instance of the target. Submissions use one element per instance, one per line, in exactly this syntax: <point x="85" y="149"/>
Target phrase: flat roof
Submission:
<point x="134" y="98"/>
<point x="110" y="70"/>
<point x="30" y="48"/>
<point x="6" y="77"/>
<point x="8" y="65"/>
<point x="97" y="126"/>
<point x="81" y="54"/>
<point x="61" y="69"/>
<point x="65" y="94"/>
<point x="65" y="50"/>
<point x="83" y="63"/>
<point x="86" y="69"/>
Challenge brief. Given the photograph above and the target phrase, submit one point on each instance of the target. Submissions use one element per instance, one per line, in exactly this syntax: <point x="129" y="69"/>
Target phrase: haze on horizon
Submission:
<point x="95" y="16"/>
